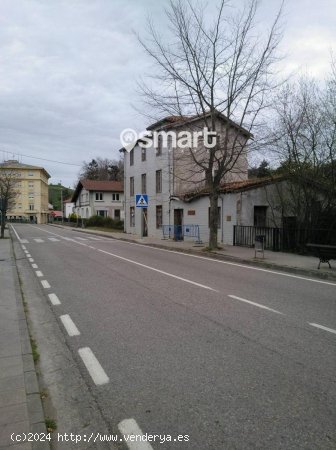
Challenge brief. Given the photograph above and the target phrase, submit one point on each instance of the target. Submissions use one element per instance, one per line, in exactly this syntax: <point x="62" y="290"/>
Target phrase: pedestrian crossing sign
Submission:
<point x="141" y="200"/>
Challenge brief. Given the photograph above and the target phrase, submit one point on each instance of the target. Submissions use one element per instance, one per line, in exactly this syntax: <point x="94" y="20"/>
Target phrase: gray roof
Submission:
<point x="14" y="164"/>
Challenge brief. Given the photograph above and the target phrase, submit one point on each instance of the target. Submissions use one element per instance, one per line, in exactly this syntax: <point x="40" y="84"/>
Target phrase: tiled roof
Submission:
<point x="234" y="186"/>
<point x="94" y="185"/>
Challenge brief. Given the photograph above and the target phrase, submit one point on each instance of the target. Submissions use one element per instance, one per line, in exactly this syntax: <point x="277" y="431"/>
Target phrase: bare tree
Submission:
<point x="204" y="69"/>
<point x="8" y="193"/>
<point x="103" y="169"/>
<point x="305" y="145"/>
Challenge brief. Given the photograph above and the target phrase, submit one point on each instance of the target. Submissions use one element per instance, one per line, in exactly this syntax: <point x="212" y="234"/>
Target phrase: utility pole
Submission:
<point x="62" y="203"/>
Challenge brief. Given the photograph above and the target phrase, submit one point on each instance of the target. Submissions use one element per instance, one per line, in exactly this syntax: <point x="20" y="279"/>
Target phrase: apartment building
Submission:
<point x="166" y="173"/>
<point x="31" y="186"/>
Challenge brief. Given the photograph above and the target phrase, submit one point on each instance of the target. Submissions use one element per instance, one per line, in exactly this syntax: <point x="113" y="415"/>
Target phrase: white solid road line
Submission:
<point x="93" y="366"/>
<point x="31" y="260"/>
<point x="129" y="427"/>
<point x="45" y="284"/>
<point x="244" y="266"/>
<point x="159" y="271"/>
<point x="39" y="273"/>
<point x="322" y="327"/>
<point x="34" y="266"/>
<point x="81" y="239"/>
<point x="69" y="325"/>
<point x="255" y="304"/>
<point x="16" y="234"/>
<point x="54" y="299"/>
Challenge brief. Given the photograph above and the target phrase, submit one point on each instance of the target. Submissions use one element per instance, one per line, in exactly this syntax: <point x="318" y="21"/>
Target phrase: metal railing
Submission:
<point x="179" y="232"/>
<point x="282" y="239"/>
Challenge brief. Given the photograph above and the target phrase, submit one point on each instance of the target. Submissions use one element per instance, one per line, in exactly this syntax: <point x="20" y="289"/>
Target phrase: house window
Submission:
<point x="31" y="207"/>
<point x="132" y="217"/>
<point x="159" y="216"/>
<point x="132" y="157"/>
<point x="159" y="146"/>
<point x="131" y="185"/>
<point x="31" y="184"/>
<point x="31" y="195"/>
<point x="31" y="174"/>
<point x="115" y="197"/>
<point x="143" y="154"/>
<point x="102" y="213"/>
<point x="143" y="183"/>
<point x="260" y="213"/>
<point x="219" y="217"/>
<point x="99" y="196"/>
<point x="158" y="181"/>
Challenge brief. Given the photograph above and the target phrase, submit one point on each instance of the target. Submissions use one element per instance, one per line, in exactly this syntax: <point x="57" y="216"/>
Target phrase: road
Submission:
<point x="234" y="357"/>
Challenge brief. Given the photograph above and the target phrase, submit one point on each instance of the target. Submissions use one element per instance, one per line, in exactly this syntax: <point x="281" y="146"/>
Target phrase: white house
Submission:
<point x="164" y="173"/>
<point x="103" y="198"/>
<point x="68" y="207"/>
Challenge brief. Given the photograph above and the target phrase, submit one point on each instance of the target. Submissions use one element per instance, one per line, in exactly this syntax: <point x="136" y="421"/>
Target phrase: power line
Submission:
<point x="42" y="159"/>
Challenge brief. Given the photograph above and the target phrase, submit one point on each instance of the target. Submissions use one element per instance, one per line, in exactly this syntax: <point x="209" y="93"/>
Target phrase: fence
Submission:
<point x="282" y="239"/>
<point x="179" y="232"/>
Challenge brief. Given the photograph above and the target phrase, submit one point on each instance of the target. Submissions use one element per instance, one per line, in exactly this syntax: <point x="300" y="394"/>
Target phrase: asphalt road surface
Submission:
<point x="227" y="356"/>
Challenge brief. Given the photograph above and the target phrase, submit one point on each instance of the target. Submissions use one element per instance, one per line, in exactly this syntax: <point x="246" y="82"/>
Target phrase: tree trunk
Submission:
<point x="3" y="220"/>
<point x="213" y="221"/>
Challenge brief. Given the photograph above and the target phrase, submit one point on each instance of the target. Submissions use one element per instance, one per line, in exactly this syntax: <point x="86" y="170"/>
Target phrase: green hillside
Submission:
<point x="55" y="195"/>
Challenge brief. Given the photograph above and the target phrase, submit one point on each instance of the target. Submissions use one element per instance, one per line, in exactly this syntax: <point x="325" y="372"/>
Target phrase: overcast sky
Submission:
<point x="68" y="72"/>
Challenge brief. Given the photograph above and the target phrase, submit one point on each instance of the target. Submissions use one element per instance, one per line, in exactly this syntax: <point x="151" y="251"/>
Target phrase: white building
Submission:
<point x="103" y="198"/>
<point x="165" y="174"/>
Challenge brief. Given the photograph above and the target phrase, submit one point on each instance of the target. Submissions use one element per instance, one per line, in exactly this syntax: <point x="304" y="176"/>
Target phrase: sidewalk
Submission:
<point x="289" y="262"/>
<point x="20" y="403"/>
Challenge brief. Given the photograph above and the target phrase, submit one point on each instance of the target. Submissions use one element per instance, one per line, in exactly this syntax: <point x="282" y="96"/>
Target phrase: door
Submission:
<point x="178" y="224"/>
<point x="117" y="214"/>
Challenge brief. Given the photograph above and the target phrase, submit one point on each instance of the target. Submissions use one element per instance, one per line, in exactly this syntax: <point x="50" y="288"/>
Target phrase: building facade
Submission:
<point x="103" y="198"/>
<point x="165" y="174"/>
<point x="31" y="186"/>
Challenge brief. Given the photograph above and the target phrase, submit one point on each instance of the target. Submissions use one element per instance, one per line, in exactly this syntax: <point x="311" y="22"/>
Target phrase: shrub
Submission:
<point x="107" y="222"/>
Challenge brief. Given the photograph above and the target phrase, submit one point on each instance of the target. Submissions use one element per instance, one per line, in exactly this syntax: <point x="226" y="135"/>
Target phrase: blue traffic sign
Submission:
<point x="141" y="200"/>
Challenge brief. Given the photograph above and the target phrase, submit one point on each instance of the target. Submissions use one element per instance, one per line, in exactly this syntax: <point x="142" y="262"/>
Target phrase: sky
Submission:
<point x="69" y="71"/>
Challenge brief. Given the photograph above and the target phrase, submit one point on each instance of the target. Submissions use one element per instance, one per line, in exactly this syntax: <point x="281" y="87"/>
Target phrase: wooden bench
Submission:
<point x="324" y="252"/>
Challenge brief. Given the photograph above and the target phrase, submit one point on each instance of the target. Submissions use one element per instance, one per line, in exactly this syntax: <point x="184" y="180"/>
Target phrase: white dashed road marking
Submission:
<point x="323" y="328"/>
<point x="69" y="325"/>
<point x="38" y="240"/>
<point x="34" y="266"/>
<point x="255" y="304"/>
<point x="39" y="273"/>
<point x="54" y="299"/>
<point x="93" y="366"/>
<point x="45" y="284"/>
<point x="128" y="428"/>
<point x="53" y="239"/>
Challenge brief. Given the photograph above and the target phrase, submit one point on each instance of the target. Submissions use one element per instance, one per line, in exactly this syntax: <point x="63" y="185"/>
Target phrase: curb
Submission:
<point x="34" y="403"/>
<point x="215" y="255"/>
